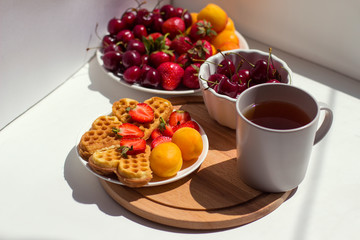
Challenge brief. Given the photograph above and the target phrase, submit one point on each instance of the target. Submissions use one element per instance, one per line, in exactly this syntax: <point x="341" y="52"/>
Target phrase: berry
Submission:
<point x="158" y="57"/>
<point x="136" y="44"/>
<point x="171" y="74"/>
<point x="191" y="124"/>
<point x="173" y="26"/>
<point x="132" y="74"/>
<point x="167" y="11"/>
<point x="201" y="50"/>
<point x="178" y="117"/>
<point x="151" y="79"/>
<point x="131" y="58"/>
<point x="181" y="44"/>
<point x="139" y="31"/>
<point x="111" y="60"/>
<point x="132" y="146"/>
<point x="142" y="113"/>
<point x="124" y="36"/>
<point x="202" y="29"/>
<point x="190" y="78"/>
<point x="158" y="140"/>
<point x="128" y="130"/>
<point x="226" y="67"/>
<point x="115" y="25"/>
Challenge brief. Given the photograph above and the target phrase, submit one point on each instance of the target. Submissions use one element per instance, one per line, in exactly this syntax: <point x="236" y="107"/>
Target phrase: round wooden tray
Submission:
<point x="213" y="197"/>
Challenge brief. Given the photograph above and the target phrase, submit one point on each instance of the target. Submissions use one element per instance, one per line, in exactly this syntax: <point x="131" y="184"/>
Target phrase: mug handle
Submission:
<point x="326" y="124"/>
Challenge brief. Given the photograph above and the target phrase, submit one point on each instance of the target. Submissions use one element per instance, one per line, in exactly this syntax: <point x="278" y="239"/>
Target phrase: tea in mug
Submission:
<point x="277" y="115"/>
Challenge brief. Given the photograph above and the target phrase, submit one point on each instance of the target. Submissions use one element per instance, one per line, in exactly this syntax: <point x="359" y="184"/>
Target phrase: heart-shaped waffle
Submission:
<point x="134" y="170"/>
<point x="131" y="170"/>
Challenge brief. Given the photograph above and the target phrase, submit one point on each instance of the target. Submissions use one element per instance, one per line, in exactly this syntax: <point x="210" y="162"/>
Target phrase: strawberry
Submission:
<point x="190" y="78"/>
<point x="156" y="133"/>
<point x="173" y="26"/>
<point x="181" y="44"/>
<point x="202" y="29"/>
<point x="178" y="117"/>
<point x="201" y="50"/>
<point x="158" y="140"/>
<point x="171" y="74"/>
<point x="132" y="146"/>
<point x="158" y="57"/>
<point x="141" y="113"/>
<point x="191" y="124"/>
<point x="128" y="130"/>
<point x="165" y="129"/>
<point x="184" y="60"/>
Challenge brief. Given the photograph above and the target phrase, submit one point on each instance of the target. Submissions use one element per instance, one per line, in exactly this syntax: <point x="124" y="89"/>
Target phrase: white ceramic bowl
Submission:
<point x="221" y="107"/>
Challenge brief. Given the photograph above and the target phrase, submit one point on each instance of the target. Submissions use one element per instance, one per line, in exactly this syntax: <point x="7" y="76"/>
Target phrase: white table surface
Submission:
<point x="46" y="193"/>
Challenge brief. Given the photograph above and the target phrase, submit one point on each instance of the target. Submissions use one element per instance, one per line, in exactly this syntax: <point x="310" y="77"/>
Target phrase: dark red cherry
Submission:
<point x="273" y="81"/>
<point x="111" y="60"/>
<point x="132" y="74"/>
<point x="144" y="17"/>
<point x="226" y="67"/>
<point x="152" y="78"/>
<point x="144" y="59"/>
<point x="139" y="31"/>
<point x="124" y="36"/>
<point x="167" y="11"/>
<point x="179" y="12"/>
<point x="187" y="18"/>
<point x="227" y="87"/>
<point x="136" y="44"/>
<point x="115" y="25"/>
<point x="107" y="40"/>
<point x="245" y="73"/>
<point x="144" y="69"/>
<point x="215" y="79"/>
<point x="112" y="48"/>
<point x="129" y="19"/>
<point x="131" y="58"/>
<point x="157" y="23"/>
<point x="242" y="86"/>
<point x="259" y="73"/>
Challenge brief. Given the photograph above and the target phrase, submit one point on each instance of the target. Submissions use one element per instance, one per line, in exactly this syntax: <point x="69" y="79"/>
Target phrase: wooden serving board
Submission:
<point x="213" y="197"/>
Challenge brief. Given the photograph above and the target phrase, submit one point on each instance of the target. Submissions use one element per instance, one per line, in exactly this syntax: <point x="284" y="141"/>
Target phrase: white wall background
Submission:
<point x="326" y="32"/>
<point x="43" y="42"/>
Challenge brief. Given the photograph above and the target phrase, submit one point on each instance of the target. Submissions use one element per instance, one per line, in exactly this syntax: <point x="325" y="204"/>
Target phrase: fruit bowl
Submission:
<point x="221" y="107"/>
<point x="179" y="91"/>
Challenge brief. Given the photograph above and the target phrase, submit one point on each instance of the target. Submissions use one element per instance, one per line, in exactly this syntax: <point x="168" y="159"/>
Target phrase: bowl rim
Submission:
<point x="205" y="87"/>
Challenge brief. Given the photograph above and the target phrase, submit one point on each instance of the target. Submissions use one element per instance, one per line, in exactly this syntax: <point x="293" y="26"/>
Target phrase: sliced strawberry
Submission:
<point x="178" y="117"/>
<point x="128" y="130"/>
<point x="190" y="124"/>
<point x="160" y="139"/>
<point x="156" y="133"/>
<point x="165" y="129"/>
<point x="142" y="113"/>
<point x="132" y="146"/>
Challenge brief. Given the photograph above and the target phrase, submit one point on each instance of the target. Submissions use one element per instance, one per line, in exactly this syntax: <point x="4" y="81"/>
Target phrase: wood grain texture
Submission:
<point x="213" y="197"/>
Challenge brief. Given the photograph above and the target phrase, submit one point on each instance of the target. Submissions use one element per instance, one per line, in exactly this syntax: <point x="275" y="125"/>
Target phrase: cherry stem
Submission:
<point x="252" y="65"/>
<point x="240" y="65"/>
<point x="226" y="60"/>
<point x="268" y="65"/>
<point x="216" y="83"/>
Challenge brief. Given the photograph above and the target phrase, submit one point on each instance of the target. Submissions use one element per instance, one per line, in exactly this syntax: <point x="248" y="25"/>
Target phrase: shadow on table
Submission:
<point x="88" y="190"/>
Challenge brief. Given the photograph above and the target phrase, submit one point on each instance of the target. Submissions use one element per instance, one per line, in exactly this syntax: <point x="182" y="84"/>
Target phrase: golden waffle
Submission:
<point x="106" y="123"/>
<point x="119" y="108"/>
<point x="133" y="171"/>
<point x="162" y="108"/>
<point x="99" y="136"/>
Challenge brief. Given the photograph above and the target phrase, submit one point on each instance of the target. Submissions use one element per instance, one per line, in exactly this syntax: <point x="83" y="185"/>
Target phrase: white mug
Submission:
<point x="276" y="160"/>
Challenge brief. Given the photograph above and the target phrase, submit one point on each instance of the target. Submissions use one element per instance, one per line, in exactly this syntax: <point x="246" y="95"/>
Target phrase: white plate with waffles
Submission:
<point x="136" y="86"/>
<point x="188" y="167"/>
